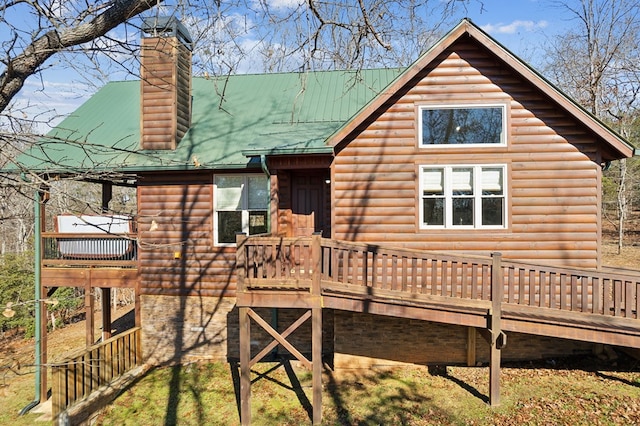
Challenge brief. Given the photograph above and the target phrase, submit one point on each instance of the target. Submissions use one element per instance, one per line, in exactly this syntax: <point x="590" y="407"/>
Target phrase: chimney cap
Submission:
<point x="167" y="26"/>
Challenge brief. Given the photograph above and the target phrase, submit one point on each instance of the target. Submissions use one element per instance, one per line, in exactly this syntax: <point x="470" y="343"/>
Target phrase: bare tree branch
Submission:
<point x="19" y="68"/>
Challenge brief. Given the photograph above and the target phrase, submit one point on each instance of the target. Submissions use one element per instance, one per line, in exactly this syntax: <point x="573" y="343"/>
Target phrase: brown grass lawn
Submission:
<point x="585" y="391"/>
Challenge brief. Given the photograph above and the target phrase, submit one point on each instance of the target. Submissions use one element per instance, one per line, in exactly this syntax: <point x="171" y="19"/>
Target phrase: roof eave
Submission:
<point x="593" y="123"/>
<point x="319" y="150"/>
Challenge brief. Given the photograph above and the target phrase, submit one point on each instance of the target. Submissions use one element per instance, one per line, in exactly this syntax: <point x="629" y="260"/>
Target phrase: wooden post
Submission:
<point x="497" y="290"/>
<point x="106" y="313"/>
<point x="471" y="346"/>
<point x="316" y="359"/>
<point x="44" y="336"/>
<point x="88" y="311"/>
<point x="245" y="334"/>
<point x="316" y="264"/>
<point x="316" y="327"/>
<point x="44" y="388"/>
<point x="245" y="368"/>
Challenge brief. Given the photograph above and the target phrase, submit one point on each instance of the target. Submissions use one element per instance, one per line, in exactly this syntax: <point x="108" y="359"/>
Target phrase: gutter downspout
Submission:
<point x="274" y="311"/>
<point x="38" y="312"/>
<point x="265" y="169"/>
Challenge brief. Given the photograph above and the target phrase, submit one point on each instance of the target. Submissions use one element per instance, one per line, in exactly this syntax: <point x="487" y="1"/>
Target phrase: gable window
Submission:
<point x="241" y="205"/>
<point x="462" y="196"/>
<point x="478" y="125"/>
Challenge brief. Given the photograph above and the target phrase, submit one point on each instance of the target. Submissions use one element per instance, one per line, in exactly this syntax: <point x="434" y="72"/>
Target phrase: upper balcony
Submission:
<point x="95" y="251"/>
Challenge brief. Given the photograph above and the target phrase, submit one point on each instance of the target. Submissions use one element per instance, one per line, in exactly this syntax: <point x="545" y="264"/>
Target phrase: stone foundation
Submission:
<point x="187" y="329"/>
<point x="184" y="329"/>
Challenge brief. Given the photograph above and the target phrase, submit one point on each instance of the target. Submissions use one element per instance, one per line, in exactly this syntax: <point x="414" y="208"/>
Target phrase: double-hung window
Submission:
<point x="241" y="205"/>
<point x="465" y="196"/>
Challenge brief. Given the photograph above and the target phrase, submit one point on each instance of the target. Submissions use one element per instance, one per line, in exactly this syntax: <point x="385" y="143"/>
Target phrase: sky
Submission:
<point x="520" y="25"/>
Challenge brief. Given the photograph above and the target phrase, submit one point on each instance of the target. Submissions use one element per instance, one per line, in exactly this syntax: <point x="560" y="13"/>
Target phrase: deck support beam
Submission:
<point x="245" y="368"/>
<point x="88" y="312"/>
<point x="498" y="338"/>
<point x="316" y="325"/>
<point x="311" y="300"/>
<point x="106" y="313"/>
<point x="316" y="360"/>
<point x="44" y="338"/>
<point x="246" y="362"/>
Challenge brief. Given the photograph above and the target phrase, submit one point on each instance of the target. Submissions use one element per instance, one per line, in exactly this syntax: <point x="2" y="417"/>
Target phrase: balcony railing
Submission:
<point x="89" y="250"/>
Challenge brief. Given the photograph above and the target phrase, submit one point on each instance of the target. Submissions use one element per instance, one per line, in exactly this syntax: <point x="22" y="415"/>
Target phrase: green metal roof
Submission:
<point x="233" y="117"/>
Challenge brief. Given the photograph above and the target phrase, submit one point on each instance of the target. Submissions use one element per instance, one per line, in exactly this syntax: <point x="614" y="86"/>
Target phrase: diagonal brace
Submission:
<point x="280" y="338"/>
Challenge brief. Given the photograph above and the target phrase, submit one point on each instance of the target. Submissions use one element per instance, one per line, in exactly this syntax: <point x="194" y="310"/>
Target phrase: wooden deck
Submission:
<point x="89" y="260"/>
<point x="490" y="293"/>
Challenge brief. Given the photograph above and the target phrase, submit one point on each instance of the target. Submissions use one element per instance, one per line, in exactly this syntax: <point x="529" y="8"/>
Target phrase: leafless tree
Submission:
<point x="597" y="62"/>
<point x="60" y="26"/>
<point x="94" y="38"/>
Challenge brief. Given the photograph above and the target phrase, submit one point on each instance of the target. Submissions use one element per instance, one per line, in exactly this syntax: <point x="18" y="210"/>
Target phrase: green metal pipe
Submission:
<point x="37" y="279"/>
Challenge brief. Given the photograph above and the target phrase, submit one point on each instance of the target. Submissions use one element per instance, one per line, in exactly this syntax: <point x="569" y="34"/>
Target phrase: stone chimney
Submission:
<point x="165" y="88"/>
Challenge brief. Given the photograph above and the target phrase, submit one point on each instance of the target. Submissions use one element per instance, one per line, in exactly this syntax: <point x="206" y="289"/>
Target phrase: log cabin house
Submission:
<point x="374" y="207"/>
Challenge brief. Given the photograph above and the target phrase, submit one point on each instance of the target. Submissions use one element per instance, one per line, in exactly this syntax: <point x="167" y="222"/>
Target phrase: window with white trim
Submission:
<point x="465" y="196"/>
<point x="455" y="125"/>
<point x="241" y="204"/>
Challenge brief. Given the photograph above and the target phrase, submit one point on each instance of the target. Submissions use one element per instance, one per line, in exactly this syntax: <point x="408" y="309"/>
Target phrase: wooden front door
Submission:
<point x="308" y="204"/>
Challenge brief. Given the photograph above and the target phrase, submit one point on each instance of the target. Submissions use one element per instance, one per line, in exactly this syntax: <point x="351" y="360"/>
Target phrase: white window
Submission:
<point x="468" y="125"/>
<point x="241" y="205"/>
<point x="462" y="196"/>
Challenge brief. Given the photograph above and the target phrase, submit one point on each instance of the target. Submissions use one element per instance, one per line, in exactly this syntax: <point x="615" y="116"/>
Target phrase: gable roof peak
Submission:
<point x="511" y="62"/>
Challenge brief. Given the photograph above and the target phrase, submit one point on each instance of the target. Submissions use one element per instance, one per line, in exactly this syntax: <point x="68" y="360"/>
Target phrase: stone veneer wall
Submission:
<point x="185" y="329"/>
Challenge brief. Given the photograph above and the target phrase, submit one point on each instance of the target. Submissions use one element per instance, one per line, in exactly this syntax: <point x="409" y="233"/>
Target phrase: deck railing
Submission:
<point x="608" y="292"/>
<point x="95" y="250"/>
<point x="77" y="377"/>
<point x="287" y="263"/>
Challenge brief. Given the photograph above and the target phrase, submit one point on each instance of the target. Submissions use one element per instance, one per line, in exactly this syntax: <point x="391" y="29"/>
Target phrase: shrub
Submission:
<point x="16" y="287"/>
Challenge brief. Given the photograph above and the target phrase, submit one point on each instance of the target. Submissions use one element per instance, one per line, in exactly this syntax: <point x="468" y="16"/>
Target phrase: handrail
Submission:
<point x="91" y="235"/>
<point x="267" y="262"/>
<point x="76" y="377"/>
<point x="89" y="250"/>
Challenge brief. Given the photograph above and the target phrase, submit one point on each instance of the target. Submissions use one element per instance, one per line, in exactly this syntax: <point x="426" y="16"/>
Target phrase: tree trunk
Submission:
<point x="622" y="204"/>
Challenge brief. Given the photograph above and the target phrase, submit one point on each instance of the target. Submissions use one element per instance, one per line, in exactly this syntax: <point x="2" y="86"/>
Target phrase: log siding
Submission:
<point x="177" y="254"/>
<point x="165" y="87"/>
<point x="552" y="163"/>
